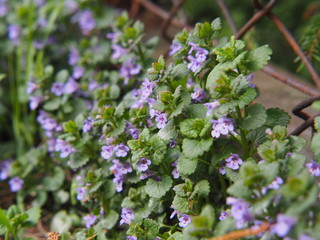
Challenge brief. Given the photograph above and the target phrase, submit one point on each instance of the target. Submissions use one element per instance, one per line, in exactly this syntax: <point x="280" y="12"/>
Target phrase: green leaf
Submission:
<point x="52" y="105"/>
<point x="55" y="181"/>
<point x="239" y="190"/>
<point x="168" y="132"/>
<point x="180" y="204"/>
<point x="297" y="143"/>
<point x="34" y="214"/>
<point x="197" y="111"/>
<point x="193" y="148"/>
<point x="186" y="165"/>
<point x="158" y="189"/>
<point x="315" y="144"/>
<point x="258" y="135"/>
<point x="201" y="189"/>
<point x="5" y="221"/>
<point x="247" y="97"/>
<point x="77" y="160"/>
<point x="70" y="127"/>
<point x="184" y="101"/>
<point x="317" y="124"/>
<point x="256" y="117"/>
<point x="295" y="164"/>
<point x="276" y="116"/>
<point x="176" y="236"/>
<point x="192" y="128"/>
<point x="258" y="58"/>
<point x="108" y="222"/>
<point x="151" y="227"/>
<point x="121" y="126"/>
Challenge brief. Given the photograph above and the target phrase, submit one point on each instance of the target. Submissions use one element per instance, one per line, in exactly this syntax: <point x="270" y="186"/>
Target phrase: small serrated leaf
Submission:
<point x="256" y="117"/>
<point x="276" y="116"/>
<point x="258" y="58"/>
<point x="168" y="132"/>
<point x="186" y="166"/>
<point x="157" y="189"/>
<point x="193" y="148"/>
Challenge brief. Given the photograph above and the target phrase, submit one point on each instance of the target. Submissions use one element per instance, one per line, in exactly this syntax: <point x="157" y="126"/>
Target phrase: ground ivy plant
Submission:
<point x="130" y="148"/>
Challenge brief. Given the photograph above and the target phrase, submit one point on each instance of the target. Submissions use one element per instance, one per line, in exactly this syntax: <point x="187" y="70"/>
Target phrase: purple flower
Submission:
<point x="78" y="72"/>
<point x="175" y="212"/>
<point x="184" y="220"/>
<point x="134" y="132"/>
<point x="86" y="22"/>
<point x="174" y="48"/>
<point x="87" y="124"/>
<point x="314" y="168"/>
<point x="275" y="184"/>
<point x="305" y="237"/>
<point x="71" y="86"/>
<point x="64" y="148"/>
<point x="222" y="126"/>
<point x="121" y="150"/>
<point x="223" y="215"/>
<point x="49" y="124"/>
<point x="129" y="69"/>
<point x="211" y="106"/>
<point x="74" y="56"/>
<point x="161" y="120"/>
<point x="107" y="151"/>
<point x="283" y="225"/>
<point x="4" y="169"/>
<point x="39" y="3"/>
<point x="81" y="193"/>
<point x="35" y="102"/>
<point x="42" y="22"/>
<point x="3" y="9"/>
<point x="198" y="95"/>
<point x="57" y="88"/>
<point x="38" y="44"/>
<point x="31" y="87"/>
<point x="13" y="32"/>
<point x="240" y="211"/>
<point x="118" y="51"/>
<point x="142" y="164"/>
<point x="250" y="80"/>
<point x="132" y="238"/>
<point x="113" y="36"/>
<point x="194" y="65"/>
<point x="127" y="215"/>
<point x="234" y="161"/>
<point x="89" y="220"/>
<point x="172" y="143"/>
<point x="193" y="48"/>
<point x="148" y="173"/>
<point x="119" y="170"/>
<point x="201" y="54"/>
<point x="71" y="5"/>
<point x="16" y="184"/>
<point x="222" y="170"/>
<point x="147" y="89"/>
<point x="175" y="173"/>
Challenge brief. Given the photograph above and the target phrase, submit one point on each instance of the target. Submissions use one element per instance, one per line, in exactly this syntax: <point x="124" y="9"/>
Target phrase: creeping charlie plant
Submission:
<point x="122" y="147"/>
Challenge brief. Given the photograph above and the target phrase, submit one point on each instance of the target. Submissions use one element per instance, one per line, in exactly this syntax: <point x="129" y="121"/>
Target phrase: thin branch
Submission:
<point x="244" y="233"/>
<point x="302" y="87"/>
<point x="227" y="15"/>
<point x="255" y="19"/>
<point x="294" y="45"/>
<point x="168" y="21"/>
<point x="162" y="14"/>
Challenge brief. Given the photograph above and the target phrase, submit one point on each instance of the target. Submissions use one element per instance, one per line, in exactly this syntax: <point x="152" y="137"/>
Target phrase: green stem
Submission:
<point x="141" y="55"/>
<point x="205" y="162"/>
<point x="223" y="184"/>
<point x="243" y="136"/>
